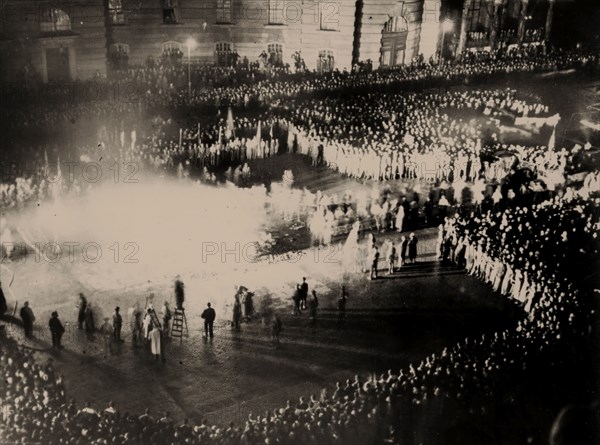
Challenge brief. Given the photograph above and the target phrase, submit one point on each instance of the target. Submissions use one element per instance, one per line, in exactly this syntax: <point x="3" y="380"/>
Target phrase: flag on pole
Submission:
<point x="133" y="139"/>
<point x="258" y="133"/>
<point x="58" y="169"/>
<point x="46" y="171"/>
<point x="56" y="183"/>
<point x="229" y="128"/>
<point x="552" y="141"/>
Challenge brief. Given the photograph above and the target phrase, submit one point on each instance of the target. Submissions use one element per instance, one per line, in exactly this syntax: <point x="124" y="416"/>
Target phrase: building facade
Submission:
<point x="491" y="24"/>
<point x="76" y="39"/>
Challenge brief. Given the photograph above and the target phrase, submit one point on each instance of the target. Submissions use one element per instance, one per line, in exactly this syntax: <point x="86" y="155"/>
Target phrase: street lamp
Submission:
<point x="447" y="26"/>
<point x="191" y="44"/>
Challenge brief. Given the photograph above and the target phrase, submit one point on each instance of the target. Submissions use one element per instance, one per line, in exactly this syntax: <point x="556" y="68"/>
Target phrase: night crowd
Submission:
<point x="524" y="242"/>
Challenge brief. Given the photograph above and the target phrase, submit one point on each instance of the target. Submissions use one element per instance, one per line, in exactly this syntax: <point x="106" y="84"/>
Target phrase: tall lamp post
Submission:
<point x="447" y="26"/>
<point x="191" y="44"/>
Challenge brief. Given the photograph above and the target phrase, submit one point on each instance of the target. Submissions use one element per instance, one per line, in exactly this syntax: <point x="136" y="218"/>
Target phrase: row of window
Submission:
<point x="172" y="45"/>
<point x="276" y="13"/>
<point x="224" y="55"/>
<point x="325" y="61"/>
<point x="56" y="20"/>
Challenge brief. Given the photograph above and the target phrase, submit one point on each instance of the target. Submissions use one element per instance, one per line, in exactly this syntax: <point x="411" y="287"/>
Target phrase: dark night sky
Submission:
<point x="576" y="21"/>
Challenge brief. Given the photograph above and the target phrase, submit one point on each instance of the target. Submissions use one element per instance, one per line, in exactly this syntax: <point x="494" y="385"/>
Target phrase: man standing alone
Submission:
<point x="412" y="248"/>
<point x="303" y="293"/>
<point x="403" y="250"/>
<point x="179" y="294"/>
<point x="56" y="330"/>
<point x="28" y="319"/>
<point x="209" y="318"/>
<point x="81" y="311"/>
<point x="117" y="325"/>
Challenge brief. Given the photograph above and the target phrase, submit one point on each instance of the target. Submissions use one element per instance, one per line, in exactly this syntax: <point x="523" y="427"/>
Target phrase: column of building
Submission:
<point x="431" y="32"/>
<point x="464" y="24"/>
<point x="549" y="17"/>
<point x="522" y="20"/>
<point x="495" y="22"/>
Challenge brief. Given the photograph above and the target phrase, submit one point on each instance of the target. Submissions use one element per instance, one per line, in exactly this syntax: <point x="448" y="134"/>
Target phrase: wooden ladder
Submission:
<point x="155" y="320"/>
<point x="179" y="324"/>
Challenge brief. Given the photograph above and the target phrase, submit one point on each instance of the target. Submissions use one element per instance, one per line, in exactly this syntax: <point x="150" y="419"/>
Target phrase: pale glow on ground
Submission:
<point x="156" y="227"/>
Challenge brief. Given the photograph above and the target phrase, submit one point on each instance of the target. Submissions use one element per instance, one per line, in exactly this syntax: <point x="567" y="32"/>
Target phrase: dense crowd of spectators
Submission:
<point x="416" y="136"/>
<point x="495" y="245"/>
<point x="499" y="248"/>
<point x="370" y="409"/>
<point x="164" y="84"/>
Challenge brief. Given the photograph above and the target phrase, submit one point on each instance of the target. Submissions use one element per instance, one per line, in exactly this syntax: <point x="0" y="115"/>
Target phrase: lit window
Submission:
<point x="476" y="13"/>
<point x="326" y="61"/>
<point x="171" y="46"/>
<point x="275" y="12"/>
<point x="224" y="11"/>
<point x="395" y="24"/>
<point x="55" y="20"/>
<point x="118" y="56"/>
<point x="115" y="12"/>
<point x="172" y="54"/>
<point x="275" y="51"/>
<point x="170" y="12"/>
<point x="224" y="54"/>
<point x="224" y="47"/>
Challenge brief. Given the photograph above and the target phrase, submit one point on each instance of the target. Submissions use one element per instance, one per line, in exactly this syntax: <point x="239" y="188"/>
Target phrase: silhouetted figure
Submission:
<point x="28" y="318"/>
<point x="56" y="330"/>
<point x="403" y="250"/>
<point x="117" y="325"/>
<point x="89" y="323"/>
<point x="81" y="311"/>
<point x="179" y="294"/>
<point x="412" y="248"/>
<point x="303" y="293"/>
<point x="248" y="305"/>
<point x="208" y="315"/>
<point x="237" y="313"/>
